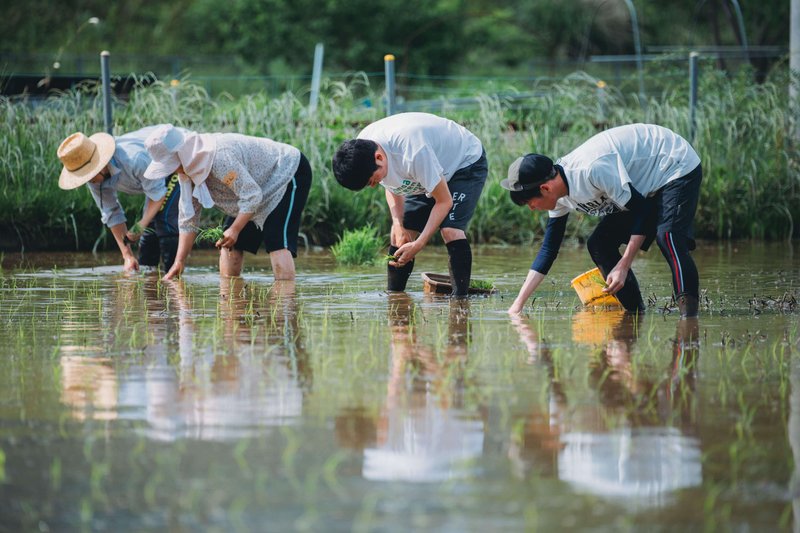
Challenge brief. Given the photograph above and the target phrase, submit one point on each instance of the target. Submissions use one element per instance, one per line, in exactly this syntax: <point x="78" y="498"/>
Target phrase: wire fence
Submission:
<point x="37" y="74"/>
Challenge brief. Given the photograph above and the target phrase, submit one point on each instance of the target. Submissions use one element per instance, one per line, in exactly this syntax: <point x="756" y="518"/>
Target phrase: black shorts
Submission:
<point x="671" y="209"/>
<point x="282" y="225"/>
<point x="465" y="187"/>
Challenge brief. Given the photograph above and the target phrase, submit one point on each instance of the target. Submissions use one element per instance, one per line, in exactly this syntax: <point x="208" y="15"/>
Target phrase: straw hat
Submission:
<point x="83" y="158"/>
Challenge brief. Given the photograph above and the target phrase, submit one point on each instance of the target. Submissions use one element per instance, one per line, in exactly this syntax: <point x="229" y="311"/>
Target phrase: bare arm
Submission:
<point x="639" y="208"/>
<point x="185" y="243"/>
<point x="231" y="235"/>
<point x="532" y="281"/>
<point x="129" y="260"/>
<point x="151" y="209"/>
<point x="616" y="278"/>
<point x="444" y="202"/>
<point x="396" y="204"/>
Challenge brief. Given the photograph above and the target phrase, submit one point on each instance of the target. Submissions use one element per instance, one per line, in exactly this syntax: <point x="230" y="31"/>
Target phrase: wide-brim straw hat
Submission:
<point x="83" y="158"/>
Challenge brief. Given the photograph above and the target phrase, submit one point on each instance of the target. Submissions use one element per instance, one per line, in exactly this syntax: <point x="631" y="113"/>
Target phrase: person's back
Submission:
<point x="406" y="133"/>
<point x="652" y="155"/>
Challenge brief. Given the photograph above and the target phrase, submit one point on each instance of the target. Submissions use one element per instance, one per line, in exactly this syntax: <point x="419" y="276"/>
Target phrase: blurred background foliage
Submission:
<point x="429" y="37"/>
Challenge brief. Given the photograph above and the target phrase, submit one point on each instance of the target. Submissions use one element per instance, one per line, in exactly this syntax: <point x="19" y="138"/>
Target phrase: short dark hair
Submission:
<point x="522" y="197"/>
<point x="533" y="190"/>
<point x="354" y="163"/>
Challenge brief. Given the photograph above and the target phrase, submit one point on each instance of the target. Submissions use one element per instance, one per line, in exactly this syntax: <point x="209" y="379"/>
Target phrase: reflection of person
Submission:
<point x="647" y="456"/>
<point x="537" y="441"/>
<point x="89" y="387"/>
<point x="794" y="440"/>
<point x="278" y="315"/>
<point x="433" y="171"/>
<point x="111" y="164"/>
<point x="238" y="391"/>
<point x="262" y="185"/>
<point x="422" y="434"/>
<point x="644" y="181"/>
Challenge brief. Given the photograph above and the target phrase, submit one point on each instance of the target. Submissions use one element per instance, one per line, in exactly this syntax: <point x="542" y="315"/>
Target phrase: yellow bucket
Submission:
<point x="589" y="287"/>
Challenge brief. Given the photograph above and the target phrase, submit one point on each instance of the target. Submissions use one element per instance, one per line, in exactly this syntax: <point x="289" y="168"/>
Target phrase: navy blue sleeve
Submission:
<point x="553" y="236"/>
<point x="638" y="206"/>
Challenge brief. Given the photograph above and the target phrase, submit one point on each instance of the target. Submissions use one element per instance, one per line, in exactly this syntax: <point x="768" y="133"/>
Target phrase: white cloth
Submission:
<point x="599" y="172"/>
<point x="196" y="156"/>
<point x="422" y="149"/>
<point x="249" y="175"/>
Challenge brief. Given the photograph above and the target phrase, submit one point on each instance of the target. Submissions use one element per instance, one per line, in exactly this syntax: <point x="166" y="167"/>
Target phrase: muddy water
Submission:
<point x="131" y="405"/>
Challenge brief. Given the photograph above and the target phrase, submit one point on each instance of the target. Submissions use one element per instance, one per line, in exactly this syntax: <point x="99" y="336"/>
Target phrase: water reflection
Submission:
<point x="218" y="377"/>
<point x="636" y="446"/>
<point x="423" y="433"/>
<point x="794" y="440"/>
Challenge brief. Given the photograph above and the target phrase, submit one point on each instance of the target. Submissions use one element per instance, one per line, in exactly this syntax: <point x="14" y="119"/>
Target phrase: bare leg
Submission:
<point x="452" y="234"/>
<point x="230" y="262"/>
<point x="282" y="264"/>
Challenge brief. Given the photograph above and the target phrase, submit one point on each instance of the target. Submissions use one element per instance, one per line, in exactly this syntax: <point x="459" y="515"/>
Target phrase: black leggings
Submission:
<point x="603" y="246"/>
<point x="669" y="223"/>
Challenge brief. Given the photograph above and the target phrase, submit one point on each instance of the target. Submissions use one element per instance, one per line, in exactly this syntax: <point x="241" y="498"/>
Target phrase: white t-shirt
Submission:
<point x="422" y="149"/>
<point x="600" y="171"/>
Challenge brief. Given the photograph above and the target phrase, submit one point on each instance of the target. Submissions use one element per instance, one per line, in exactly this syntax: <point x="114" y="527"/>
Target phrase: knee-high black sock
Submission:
<point x="397" y="277"/>
<point x="460" y="266"/>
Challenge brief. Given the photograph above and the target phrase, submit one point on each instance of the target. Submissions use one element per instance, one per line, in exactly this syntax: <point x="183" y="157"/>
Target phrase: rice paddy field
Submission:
<point x="131" y="404"/>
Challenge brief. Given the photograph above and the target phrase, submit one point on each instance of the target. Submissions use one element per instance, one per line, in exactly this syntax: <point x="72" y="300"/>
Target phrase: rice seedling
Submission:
<point x="358" y="247"/>
<point x="209" y="235"/>
<point x="481" y="284"/>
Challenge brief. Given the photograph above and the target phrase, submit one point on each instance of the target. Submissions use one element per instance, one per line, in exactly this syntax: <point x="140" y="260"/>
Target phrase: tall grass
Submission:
<point x="751" y="187"/>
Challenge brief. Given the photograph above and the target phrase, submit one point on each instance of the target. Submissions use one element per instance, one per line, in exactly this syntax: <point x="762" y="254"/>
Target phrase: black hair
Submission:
<point x="354" y="163"/>
<point x="522" y="197"/>
<point x="533" y="190"/>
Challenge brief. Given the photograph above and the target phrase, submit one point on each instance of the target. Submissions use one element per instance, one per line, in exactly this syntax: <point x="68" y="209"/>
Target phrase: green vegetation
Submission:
<point x="139" y="230"/>
<point x="429" y="37"/>
<point x="481" y="284"/>
<point x="358" y="247"/>
<point x="211" y="235"/>
<point x="750" y="187"/>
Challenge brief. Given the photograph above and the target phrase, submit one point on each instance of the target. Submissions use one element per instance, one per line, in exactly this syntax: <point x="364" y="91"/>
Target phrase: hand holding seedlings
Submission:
<point x="228" y="239"/>
<point x="209" y="235"/>
<point x="406" y="253"/>
<point x="134" y="233"/>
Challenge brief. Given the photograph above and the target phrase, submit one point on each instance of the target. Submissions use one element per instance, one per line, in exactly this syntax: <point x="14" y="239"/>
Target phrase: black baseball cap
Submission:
<point x="528" y="172"/>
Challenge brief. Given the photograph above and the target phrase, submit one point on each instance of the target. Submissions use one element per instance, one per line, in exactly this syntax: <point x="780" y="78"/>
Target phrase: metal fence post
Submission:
<point x="388" y="62"/>
<point x="794" y="68"/>
<point x="637" y="44"/>
<point x="692" y="95"/>
<point x="602" y="104"/>
<point x="316" y="76"/>
<point x="105" y="74"/>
